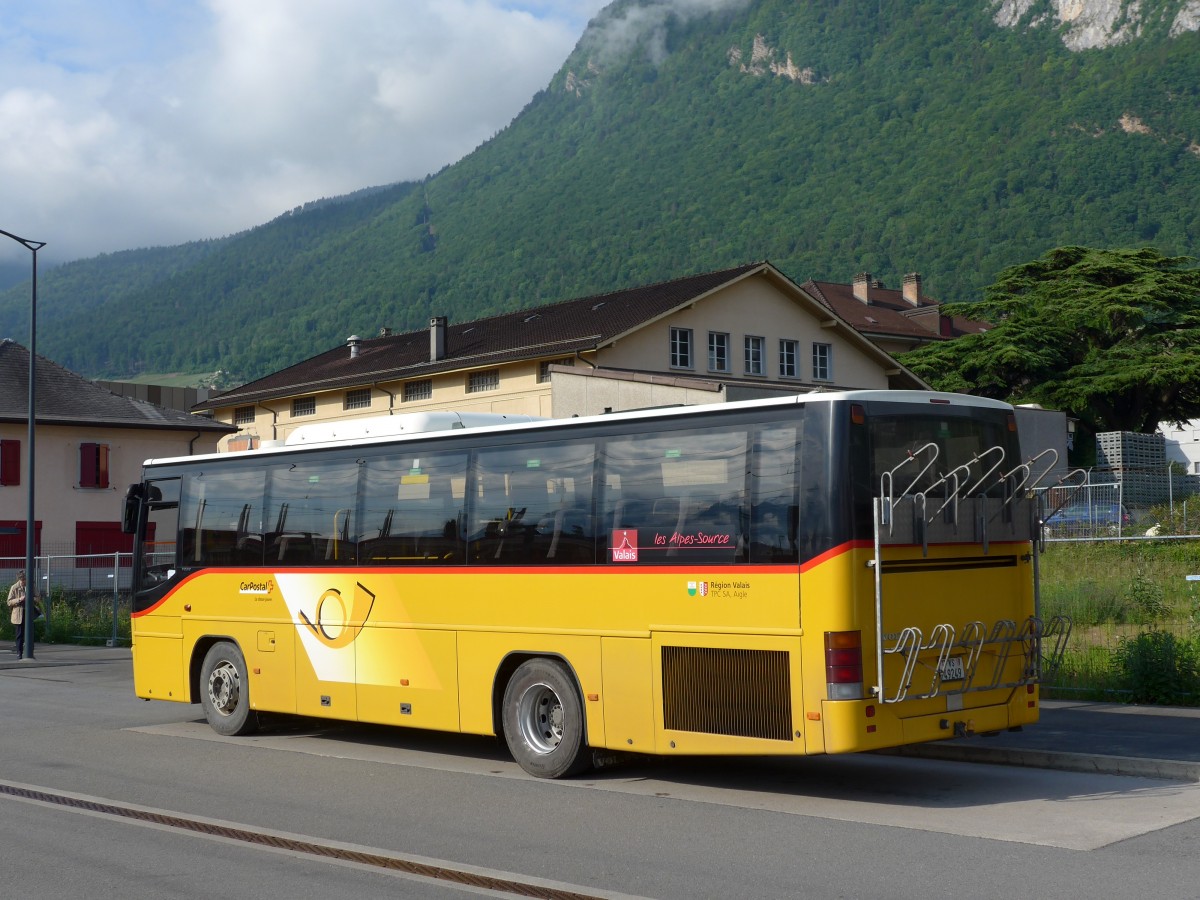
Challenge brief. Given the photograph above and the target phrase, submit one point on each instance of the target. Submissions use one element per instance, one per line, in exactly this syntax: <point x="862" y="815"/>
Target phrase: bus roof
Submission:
<point x="400" y="428"/>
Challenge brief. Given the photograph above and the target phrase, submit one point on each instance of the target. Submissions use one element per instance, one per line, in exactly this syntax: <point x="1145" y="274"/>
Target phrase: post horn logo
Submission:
<point x="339" y="629"/>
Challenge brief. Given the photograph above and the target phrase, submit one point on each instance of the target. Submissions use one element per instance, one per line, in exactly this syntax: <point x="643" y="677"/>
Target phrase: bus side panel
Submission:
<point x="825" y="605"/>
<point x="480" y="655"/>
<point x="628" y="694"/>
<point x="158" y="663"/>
<point x="407" y="676"/>
<point x="271" y="660"/>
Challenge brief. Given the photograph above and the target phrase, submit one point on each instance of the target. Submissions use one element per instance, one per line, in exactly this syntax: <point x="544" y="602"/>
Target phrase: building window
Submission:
<point x="789" y="352"/>
<point x="822" y="362"/>
<point x="718" y="352"/>
<point x="243" y="415"/>
<point x="360" y="398"/>
<point x="754" y="356"/>
<point x="483" y="381"/>
<point x="681" y="348"/>
<point x="304" y="406"/>
<point x="10" y="462"/>
<point x="93" y="465"/>
<point x="544" y="368"/>
<point x="418" y="390"/>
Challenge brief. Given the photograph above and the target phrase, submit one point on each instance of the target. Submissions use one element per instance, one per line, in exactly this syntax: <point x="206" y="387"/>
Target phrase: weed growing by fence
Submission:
<point x="1136" y="620"/>
<point x="79" y="617"/>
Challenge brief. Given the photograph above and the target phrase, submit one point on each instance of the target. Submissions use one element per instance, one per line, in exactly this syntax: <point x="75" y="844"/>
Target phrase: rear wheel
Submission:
<point x="225" y="692"/>
<point x="543" y="720"/>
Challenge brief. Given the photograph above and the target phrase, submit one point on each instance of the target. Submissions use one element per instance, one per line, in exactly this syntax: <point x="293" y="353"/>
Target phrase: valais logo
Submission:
<point x="697" y="588"/>
<point x="624" y="545"/>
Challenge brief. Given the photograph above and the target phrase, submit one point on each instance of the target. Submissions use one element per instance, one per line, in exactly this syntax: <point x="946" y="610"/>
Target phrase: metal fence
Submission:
<point x="83" y="580"/>
<point x="1086" y="508"/>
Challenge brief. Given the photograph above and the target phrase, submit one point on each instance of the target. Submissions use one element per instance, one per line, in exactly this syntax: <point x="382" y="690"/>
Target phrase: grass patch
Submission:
<point x="1136" y="618"/>
<point x="79" y="617"/>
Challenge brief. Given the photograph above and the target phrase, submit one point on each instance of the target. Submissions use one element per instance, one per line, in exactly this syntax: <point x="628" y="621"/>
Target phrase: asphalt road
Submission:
<point x="103" y="795"/>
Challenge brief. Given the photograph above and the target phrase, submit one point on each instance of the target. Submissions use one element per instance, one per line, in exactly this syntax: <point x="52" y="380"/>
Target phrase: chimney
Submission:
<point x="352" y="342"/>
<point x="912" y="289"/>
<point x="862" y="287"/>
<point x="437" y="338"/>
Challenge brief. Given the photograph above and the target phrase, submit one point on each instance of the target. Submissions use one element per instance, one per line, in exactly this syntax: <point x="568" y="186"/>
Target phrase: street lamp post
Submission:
<point x="31" y="583"/>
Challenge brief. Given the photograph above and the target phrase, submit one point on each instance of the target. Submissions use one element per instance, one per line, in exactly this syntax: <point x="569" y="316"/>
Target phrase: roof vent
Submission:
<point x="353" y="343"/>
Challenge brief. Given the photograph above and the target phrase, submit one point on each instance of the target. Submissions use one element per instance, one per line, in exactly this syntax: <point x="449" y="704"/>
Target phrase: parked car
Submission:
<point x="1081" y="518"/>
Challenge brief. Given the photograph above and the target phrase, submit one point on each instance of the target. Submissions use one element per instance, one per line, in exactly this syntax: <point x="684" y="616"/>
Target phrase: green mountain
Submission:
<point x="949" y="137"/>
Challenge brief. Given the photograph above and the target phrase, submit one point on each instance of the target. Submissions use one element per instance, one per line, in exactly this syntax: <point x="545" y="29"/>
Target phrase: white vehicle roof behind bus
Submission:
<point x="380" y="429"/>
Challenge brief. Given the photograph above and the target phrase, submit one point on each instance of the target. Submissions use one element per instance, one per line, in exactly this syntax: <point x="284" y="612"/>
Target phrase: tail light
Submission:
<point x="844" y="665"/>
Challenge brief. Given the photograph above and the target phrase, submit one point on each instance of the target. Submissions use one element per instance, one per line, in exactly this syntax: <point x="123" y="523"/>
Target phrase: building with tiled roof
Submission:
<point x="895" y="320"/>
<point x="731" y="334"/>
<point x="90" y="445"/>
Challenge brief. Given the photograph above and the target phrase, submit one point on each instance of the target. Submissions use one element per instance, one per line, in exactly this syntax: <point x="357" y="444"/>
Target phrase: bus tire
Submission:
<point x="543" y="720"/>
<point x="225" y="691"/>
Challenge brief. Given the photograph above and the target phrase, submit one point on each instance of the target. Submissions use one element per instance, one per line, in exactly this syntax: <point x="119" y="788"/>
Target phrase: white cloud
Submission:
<point x="134" y="123"/>
<point x="646" y="24"/>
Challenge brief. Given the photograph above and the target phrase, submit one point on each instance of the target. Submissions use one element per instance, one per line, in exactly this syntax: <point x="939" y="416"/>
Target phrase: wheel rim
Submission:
<point x="224" y="688"/>
<point x="540" y="715"/>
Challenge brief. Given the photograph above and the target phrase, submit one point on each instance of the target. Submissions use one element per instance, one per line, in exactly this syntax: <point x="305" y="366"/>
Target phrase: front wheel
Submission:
<point x="543" y="720"/>
<point x="225" y="692"/>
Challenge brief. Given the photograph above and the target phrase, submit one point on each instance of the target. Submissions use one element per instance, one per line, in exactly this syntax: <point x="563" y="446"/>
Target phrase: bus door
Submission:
<point x="152" y="516"/>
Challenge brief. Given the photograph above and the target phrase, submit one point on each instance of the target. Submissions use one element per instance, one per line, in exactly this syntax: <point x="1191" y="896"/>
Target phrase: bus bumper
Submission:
<point x="855" y="725"/>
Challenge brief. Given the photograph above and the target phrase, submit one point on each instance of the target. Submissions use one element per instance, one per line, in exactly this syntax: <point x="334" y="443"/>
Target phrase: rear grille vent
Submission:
<point x="746" y="693"/>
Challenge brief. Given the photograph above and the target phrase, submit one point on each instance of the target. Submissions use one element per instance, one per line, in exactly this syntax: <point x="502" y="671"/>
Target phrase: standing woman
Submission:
<point x="16" y="603"/>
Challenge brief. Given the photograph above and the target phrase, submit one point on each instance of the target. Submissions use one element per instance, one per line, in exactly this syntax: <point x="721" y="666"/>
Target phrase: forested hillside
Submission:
<point x="830" y="137"/>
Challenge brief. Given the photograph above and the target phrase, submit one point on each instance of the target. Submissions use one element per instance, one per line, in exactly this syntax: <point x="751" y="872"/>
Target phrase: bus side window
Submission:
<point x="682" y="492"/>
<point x="533" y="505"/>
<point x="411" y="509"/>
<point x="220" y="519"/>
<point x="774" y="511"/>
<point x="310" y="512"/>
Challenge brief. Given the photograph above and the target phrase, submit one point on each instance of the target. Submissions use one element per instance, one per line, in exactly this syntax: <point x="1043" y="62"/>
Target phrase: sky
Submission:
<point x="139" y="123"/>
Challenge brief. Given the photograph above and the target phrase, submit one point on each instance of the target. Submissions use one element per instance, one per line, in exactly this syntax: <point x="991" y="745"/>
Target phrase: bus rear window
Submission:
<point x="968" y="450"/>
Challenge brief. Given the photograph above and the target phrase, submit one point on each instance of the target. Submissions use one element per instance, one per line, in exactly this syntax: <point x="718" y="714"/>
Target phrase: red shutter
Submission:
<point x="102" y="465"/>
<point x="93" y="465"/>
<point x="87" y="465"/>
<point x="10" y="462"/>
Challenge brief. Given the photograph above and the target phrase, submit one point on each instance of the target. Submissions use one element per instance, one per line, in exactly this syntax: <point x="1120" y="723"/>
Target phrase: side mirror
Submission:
<point x="133" y="506"/>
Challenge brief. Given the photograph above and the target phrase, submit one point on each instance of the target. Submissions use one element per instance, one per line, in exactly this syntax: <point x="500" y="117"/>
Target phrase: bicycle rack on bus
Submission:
<point x="904" y="518"/>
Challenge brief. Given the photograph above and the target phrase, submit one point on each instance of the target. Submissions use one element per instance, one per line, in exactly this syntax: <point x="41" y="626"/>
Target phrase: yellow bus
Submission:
<point x="823" y="573"/>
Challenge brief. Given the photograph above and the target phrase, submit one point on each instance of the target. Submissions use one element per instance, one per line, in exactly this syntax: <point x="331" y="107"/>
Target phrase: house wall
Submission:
<point x="59" y="501"/>
<point x="579" y="392"/>
<point x="1182" y="444"/>
<point x="752" y="307"/>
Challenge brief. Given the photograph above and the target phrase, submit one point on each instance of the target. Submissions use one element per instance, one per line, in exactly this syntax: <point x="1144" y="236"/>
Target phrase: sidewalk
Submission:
<point x="1108" y="738"/>
<point x="1104" y="738"/>
<point x="64" y="655"/>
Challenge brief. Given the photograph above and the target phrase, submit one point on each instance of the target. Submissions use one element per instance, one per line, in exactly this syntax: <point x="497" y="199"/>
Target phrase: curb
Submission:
<point x="1092" y="763"/>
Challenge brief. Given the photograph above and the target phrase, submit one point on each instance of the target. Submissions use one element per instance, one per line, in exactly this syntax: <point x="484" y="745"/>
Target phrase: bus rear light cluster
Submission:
<point x="843" y="665"/>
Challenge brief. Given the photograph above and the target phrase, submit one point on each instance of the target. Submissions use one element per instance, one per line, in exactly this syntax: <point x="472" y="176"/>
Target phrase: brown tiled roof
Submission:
<point x="64" y="398"/>
<point x="888" y="314"/>
<point x="559" y="329"/>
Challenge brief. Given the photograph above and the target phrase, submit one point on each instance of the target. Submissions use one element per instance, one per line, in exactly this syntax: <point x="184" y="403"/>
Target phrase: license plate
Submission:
<point x="952" y="669"/>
